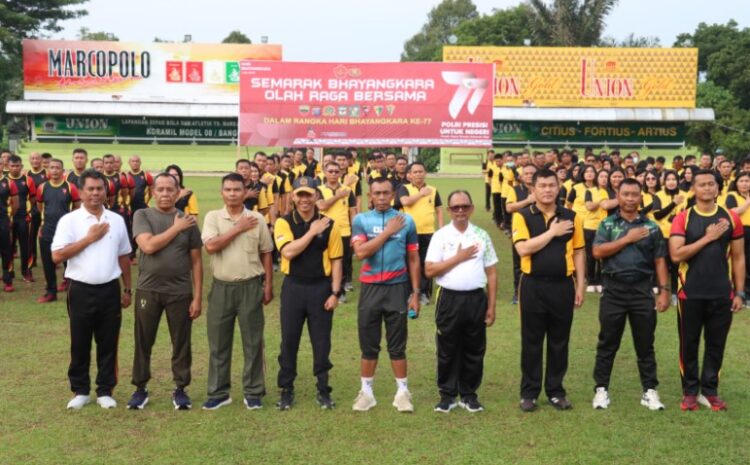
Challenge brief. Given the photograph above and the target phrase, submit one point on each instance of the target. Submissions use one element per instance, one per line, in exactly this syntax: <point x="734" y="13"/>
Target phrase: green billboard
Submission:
<point x="557" y="132"/>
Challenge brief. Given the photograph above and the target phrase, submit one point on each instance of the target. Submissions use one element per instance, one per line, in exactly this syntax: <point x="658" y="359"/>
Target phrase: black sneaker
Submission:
<point x="181" y="400"/>
<point x="213" y="404"/>
<point x="253" y="403"/>
<point x="471" y="405"/>
<point x="286" y="401"/>
<point x="138" y="400"/>
<point x="445" y="405"/>
<point x="560" y="403"/>
<point x="528" y="405"/>
<point x="325" y="401"/>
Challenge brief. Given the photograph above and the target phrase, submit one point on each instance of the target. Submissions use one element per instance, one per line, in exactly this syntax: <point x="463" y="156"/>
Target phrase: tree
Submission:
<point x="85" y="34"/>
<point x="569" y="22"/>
<point x="442" y="21"/>
<point x="724" y="61"/>
<point x="632" y="41"/>
<point x="21" y="19"/>
<point x="509" y="26"/>
<point x="236" y="37"/>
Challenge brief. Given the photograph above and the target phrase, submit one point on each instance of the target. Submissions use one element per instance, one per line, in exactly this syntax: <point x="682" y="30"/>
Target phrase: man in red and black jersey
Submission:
<point x="56" y="197"/>
<point x="39" y="175"/>
<point x="8" y="206"/>
<point x="702" y="238"/>
<point x="21" y="221"/>
<point x="119" y="197"/>
<point x="140" y="194"/>
<point x="80" y="158"/>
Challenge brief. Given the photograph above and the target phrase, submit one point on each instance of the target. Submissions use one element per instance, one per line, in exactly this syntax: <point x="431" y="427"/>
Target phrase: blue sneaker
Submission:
<point x="181" y="400"/>
<point x="213" y="404"/>
<point x="138" y="400"/>
<point x="253" y="403"/>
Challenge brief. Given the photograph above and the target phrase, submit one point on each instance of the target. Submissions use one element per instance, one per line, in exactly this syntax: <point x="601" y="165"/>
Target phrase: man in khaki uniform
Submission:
<point x="240" y="246"/>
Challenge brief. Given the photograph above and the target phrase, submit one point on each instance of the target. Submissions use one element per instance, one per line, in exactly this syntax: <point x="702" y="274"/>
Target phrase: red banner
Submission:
<point x="365" y="104"/>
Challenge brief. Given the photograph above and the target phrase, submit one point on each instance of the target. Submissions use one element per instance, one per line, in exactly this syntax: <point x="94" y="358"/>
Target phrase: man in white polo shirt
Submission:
<point x="94" y="242"/>
<point x="462" y="259"/>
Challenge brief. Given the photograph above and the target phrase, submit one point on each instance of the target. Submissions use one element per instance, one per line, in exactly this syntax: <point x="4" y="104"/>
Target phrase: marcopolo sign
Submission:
<point x="82" y="127"/>
<point x="365" y="104"/>
<point x="136" y="72"/>
<point x="587" y="77"/>
<point x="560" y="132"/>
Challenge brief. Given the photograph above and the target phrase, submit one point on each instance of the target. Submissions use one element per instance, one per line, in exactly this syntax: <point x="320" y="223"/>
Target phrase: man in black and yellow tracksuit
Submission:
<point x="311" y="252"/>
<point x="549" y="239"/>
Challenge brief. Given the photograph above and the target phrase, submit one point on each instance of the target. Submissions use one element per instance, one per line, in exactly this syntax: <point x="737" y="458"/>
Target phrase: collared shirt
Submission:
<point x="423" y="210"/>
<point x="554" y="260"/>
<point x="56" y="200"/>
<point x="240" y="260"/>
<point x="339" y="210"/>
<point x="633" y="262"/>
<point x="468" y="275"/>
<point x="315" y="260"/>
<point x="98" y="262"/>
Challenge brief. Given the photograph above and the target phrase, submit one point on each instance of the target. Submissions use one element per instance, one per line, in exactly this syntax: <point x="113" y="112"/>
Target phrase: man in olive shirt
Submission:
<point x="170" y="255"/>
<point x="632" y="250"/>
<point x="240" y="246"/>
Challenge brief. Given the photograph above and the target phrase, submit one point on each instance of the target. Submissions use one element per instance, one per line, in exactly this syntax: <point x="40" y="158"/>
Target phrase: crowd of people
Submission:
<point x="630" y="229"/>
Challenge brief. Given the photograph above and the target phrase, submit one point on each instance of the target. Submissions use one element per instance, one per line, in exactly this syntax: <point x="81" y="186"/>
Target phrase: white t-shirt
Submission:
<point x="97" y="263"/>
<point x="468" y="275"/>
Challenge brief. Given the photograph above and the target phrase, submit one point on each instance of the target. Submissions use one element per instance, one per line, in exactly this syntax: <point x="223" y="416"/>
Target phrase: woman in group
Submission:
<point x="668" y="202"/>
<point x="187" y="202"/>
<point x="651" y="187"/>
<point x="615" y="178"/>
<point x="595" y="213"/>
<point x="259" y="202"/>
<point x="577" y="193"/>
<point x="738" y="200"/>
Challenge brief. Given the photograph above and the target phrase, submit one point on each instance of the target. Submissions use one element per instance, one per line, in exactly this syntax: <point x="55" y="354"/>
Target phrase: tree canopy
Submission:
<point x="236" y="37"/>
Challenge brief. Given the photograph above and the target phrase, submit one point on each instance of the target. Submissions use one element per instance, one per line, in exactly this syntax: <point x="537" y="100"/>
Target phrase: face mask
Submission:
<point x="510" y="164"/>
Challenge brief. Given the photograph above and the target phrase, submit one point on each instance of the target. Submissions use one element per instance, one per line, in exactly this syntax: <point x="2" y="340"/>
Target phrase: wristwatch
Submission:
<point x="741" y="294"/>
<point x="127" y="291"/>
<point x="338" y="293"/>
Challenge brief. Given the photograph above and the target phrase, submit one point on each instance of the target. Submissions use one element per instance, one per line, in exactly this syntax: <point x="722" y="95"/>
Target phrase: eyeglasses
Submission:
<point x="460" y="208"/>
<point x="333" y="171"/>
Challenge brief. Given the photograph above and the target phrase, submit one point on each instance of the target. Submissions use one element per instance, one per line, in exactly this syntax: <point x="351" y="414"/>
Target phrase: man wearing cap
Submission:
<point x="240" y="246"/>
<point x="311" y="252"/>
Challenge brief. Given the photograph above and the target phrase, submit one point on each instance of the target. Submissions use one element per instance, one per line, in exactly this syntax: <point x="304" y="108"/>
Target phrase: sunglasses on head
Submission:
<point x="459" y="208"/>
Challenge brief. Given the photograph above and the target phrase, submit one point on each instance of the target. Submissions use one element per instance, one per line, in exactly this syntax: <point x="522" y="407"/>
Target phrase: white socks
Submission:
<point x="401" y="384"/>
<point x="367" y="386"/>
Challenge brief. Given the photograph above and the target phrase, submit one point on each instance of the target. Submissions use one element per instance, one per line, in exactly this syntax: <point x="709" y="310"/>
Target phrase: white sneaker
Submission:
<point x="651" y="400"/>
<point x="590" y="289"/>
<point x="702" y="400"/>
<point x="77" y="402"/>
<point x="106" y="402"/>
<point x="601" y="398"/>
<point x="402" y="401"/>
<point x="364" y="402"/>
<point x="598" y="289"/>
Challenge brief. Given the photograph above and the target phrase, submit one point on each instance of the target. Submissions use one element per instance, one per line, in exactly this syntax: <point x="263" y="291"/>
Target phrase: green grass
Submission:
<point x="35" y="428"/>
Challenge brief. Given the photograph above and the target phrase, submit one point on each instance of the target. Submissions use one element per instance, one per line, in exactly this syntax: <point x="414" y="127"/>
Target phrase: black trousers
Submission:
<point x="487" y="196"/>
<point x="507" y="216"/>
<point x="672" y="268"/>
<point x="36" y="222"/>
<point x="425" y="283"/>
<point x="620" y="302"/>
<point x="497" y="209"/>
<point x="593" y="269"/>
<point x="6" y="249"/>
<point x="129" y="226"/>
<point x="302" y="300"/>
<point x="713" y="318"/>
<point x="461" y="341"/>
<point x="347" y="265"/>
<point x="21" y="231"/>
<point x="516" y="269"/>
<point x="747" y="257"/>
<point x="546" y="307"/>
<point x="94" y="311"/>
<point x="50" y="274"/>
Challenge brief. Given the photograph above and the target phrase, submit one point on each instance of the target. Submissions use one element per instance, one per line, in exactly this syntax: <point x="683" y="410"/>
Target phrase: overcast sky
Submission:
<point x="357" y="30"/>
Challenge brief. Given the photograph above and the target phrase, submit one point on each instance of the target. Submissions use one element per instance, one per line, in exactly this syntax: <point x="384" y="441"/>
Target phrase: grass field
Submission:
<point x="35" y="428"/>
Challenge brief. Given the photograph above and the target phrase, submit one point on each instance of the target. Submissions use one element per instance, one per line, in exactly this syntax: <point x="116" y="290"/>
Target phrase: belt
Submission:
<point x="473" y="291"/>
<point x="630" y="278"/>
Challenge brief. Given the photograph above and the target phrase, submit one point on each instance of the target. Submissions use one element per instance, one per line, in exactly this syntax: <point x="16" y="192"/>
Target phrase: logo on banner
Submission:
<point x="470" y="91"/>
